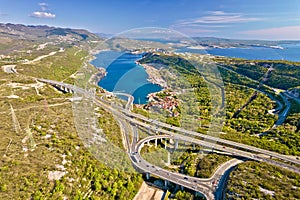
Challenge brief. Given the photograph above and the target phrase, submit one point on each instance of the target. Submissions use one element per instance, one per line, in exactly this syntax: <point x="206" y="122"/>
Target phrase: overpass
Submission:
<point x="204" y="186"/>
<point x="216" y="146"/>
<point x="177" y="133"/>
<point x="143" y="121"/>
<point x="232" y="147"/>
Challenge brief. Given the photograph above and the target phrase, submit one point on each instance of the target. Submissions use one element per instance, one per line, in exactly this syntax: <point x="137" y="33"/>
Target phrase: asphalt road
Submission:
<point x="209" y="141"/>
<point x="125" y="117"/>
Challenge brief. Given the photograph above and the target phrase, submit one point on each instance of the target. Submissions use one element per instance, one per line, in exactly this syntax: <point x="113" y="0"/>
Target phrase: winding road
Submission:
<point x="204" y="186"/>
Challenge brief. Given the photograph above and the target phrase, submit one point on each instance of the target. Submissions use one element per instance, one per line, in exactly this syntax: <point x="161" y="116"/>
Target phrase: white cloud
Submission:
<point x="43" y="13"/>
<point x="220" y="17"/>
<point x="212" y="21"/>
<point x="189" y="30"/>
<point x="278" y="33"/>
<point x="218" y="12"/>
<point x="195" y="25"/>
<point x="44" y="6"/>
<point x="39" y="14"/>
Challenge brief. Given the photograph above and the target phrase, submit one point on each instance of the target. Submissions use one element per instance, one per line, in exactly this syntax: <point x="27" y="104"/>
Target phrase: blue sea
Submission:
<point x="290" y="52"/>
<point x="124" y="75"/>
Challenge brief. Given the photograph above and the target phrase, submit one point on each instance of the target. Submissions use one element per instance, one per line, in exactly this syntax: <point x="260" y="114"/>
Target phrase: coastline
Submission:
<point x="101" y="72"/>
<point x="153" y="75"/>
<point x="93" y="53"/>
<point x="96" y="77"/>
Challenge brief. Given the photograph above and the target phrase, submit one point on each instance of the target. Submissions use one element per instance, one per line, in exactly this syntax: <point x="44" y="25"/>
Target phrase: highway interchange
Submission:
<point x="166" y="131"/>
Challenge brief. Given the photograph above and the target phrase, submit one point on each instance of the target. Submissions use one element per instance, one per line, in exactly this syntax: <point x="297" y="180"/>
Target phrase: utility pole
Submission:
<point x="16" y="123"/>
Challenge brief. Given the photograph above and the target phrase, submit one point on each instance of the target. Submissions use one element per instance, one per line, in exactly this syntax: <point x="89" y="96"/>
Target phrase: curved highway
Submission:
<point x="210" y="141"/>
<point x="209" y="187"/>
<point x="204" y="186"/>
<point x="129" y="100"/>
<point x="143" y="121"/>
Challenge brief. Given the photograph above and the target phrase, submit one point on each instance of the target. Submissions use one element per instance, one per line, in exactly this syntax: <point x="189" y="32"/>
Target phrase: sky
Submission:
<point x="236" y="19"/>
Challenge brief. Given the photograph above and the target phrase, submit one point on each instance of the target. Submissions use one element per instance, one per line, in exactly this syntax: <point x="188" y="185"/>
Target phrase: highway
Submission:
<point x="282" y="115"/>
<point x="130" y="99"/>
<point x="216" y="146"/>
<point x="210" y="187"/>
<point x="210" y="141"/>
<point x="291" y="96"/>
<point x="203" y="186"/>
<point x="222" y="174"/>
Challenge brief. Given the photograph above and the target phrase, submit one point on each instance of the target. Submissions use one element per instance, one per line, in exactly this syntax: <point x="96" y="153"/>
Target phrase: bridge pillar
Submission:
<point x="155" y="143"/>
<point x="176" y="144"/>
<point x="166" y="143"/>
<point x="147" y="176"/>
<point x="166" y="183"/>
<point x="137" y="136"/>
<point x="193" y="146"/>
<point x="182" y="188"/>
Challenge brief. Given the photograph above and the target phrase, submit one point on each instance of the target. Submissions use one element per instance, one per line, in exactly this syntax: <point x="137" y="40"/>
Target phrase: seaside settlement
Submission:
<point x="165" y="100"/>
